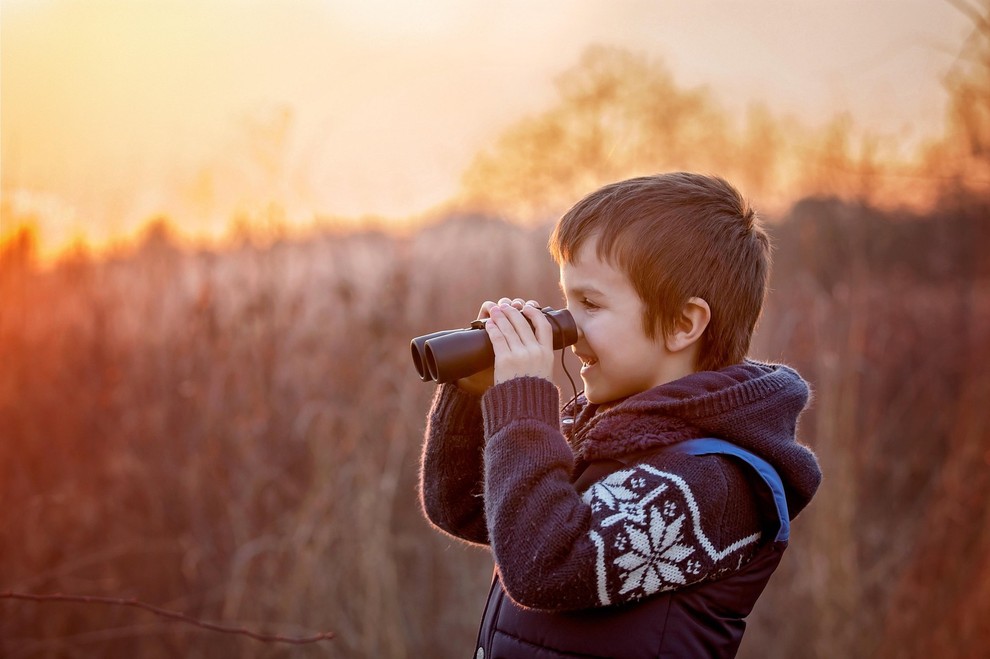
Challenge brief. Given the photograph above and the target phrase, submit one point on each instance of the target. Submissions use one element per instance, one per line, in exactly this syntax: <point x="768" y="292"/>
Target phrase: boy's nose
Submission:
<point x="580" y="332"/>
<point x="579" y="346"/>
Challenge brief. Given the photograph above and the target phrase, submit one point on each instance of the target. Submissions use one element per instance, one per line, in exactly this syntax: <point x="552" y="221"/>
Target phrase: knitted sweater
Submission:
<point x="500" y="471"/>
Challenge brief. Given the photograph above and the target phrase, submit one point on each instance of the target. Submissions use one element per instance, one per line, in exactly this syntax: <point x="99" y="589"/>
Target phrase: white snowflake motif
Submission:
<point x="612" y="494"/>
<point x="656" y="554"/>
<point x="669" y="509"/>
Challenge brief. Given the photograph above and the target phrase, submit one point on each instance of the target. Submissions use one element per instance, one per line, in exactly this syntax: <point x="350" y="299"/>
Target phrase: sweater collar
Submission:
<point x="752" y="404"/>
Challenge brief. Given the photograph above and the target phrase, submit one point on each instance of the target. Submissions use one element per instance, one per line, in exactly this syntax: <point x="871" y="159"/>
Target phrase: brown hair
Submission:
<point x="677" y="236"/>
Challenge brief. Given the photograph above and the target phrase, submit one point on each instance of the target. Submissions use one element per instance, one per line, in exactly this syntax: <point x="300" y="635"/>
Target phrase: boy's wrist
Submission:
<point x="459" y="410"/>
<point x="525" y="397"/>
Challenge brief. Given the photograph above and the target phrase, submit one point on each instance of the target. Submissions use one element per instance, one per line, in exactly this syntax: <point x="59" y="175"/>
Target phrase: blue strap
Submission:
<point x="766" y="472"/>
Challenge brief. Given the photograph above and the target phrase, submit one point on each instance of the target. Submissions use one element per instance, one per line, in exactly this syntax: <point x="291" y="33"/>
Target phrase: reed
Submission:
<point x="235" y="434"/>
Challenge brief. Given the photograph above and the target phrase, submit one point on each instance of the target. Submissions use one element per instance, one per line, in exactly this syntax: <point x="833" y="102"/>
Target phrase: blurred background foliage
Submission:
<point x="234" y="431"/>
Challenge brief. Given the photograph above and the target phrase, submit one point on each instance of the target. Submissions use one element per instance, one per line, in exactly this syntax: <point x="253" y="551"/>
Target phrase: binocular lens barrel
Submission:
<point x="449" y="355"/>
<point x="418" y="346"/>
<point x="459" y="355"/>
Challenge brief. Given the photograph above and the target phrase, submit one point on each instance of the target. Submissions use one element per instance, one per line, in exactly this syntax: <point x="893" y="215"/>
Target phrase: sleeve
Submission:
<point x="633" y="534"/>
<point x="450" y="478"/>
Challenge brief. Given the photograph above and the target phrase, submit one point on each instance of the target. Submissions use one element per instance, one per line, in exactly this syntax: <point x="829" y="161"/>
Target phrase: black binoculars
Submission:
<point x="450" y="355"/>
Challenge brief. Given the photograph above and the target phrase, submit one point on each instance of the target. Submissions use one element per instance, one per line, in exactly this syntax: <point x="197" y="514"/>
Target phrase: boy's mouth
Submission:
<point x="586" y="362"/>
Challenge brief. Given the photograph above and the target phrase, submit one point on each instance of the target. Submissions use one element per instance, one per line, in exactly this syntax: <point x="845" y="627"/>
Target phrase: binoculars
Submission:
<point x="449" y="355"/>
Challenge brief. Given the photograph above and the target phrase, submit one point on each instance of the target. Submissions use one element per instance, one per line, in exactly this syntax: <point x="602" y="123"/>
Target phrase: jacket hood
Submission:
<point x="751" y="404"/>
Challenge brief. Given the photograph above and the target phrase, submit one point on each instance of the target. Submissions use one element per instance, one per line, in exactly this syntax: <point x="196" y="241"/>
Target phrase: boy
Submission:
<point x="617" y="529"/>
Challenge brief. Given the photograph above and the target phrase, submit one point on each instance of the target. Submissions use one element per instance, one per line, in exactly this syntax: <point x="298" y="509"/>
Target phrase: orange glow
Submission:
<point x="115" y="112"/>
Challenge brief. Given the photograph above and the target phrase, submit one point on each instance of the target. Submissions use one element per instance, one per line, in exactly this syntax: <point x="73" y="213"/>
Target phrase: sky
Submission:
<point x="115" y="111"/>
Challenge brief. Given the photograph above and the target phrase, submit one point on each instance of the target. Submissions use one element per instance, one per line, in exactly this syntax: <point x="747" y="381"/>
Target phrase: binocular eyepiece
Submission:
<point x="449" y="355"/>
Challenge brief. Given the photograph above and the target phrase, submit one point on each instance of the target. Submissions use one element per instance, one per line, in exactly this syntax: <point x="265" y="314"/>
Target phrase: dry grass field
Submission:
<point x="234" y="434"/>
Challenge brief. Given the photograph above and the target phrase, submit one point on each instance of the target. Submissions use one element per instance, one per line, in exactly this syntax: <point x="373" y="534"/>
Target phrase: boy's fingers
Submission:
<point x="486" y="307"/>
<point x="504" y="325"/>
<point x="541" y="326"/>
<point x="496" y="336"/>
<point x="518" y="302"/>
<point x="518" y="321"/>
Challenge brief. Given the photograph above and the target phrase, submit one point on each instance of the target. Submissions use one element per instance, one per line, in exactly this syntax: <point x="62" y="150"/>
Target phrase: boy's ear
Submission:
<point x="690" y="325"/>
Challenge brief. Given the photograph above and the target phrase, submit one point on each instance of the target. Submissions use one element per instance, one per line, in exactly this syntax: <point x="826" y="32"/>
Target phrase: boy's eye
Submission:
<point x="588" y="304"/>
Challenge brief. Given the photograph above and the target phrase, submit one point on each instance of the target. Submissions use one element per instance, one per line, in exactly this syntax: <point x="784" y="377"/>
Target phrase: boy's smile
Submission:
<point x="617" y="358"/>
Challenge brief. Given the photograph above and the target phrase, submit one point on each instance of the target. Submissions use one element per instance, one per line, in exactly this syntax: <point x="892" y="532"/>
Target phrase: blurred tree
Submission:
<point x="968" y="84"/>
<point x="19" y="251"/>
<point x="619" y="114"/>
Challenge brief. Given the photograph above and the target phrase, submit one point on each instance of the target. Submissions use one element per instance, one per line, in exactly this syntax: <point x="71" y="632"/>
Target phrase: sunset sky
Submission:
<point x="114" y="111"/>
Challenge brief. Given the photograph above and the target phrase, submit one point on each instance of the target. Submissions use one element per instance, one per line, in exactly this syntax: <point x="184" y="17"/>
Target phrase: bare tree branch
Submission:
<point x="174" y="615"/>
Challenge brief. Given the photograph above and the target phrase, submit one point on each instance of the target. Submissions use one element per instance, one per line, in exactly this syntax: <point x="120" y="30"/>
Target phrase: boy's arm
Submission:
<point x="451" y="468"/>
<point x="634" y="534"/>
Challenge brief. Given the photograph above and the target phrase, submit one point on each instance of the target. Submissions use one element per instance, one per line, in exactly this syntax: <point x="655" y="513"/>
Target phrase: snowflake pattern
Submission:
<point x="621" y="498"/>
<point x="655" y="556"/>
<point x="648" y="536"/>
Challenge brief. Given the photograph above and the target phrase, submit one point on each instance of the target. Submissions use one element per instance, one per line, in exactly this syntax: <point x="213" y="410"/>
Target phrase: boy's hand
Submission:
<point x="520" y="350"/>
<point x="480" y="382"/>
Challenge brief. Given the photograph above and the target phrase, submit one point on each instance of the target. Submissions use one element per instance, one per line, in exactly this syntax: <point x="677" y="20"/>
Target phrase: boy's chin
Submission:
<point x="598" y="395"/>
<point x="595" y="396"/>
<point x="587" y="390"/>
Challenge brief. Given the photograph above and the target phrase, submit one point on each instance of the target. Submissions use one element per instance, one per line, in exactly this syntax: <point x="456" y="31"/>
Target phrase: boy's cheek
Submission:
<point x="576" y="313"/>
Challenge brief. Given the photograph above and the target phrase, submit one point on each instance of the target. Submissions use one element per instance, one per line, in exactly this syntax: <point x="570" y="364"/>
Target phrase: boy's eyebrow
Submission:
<point x="579" y="290"/>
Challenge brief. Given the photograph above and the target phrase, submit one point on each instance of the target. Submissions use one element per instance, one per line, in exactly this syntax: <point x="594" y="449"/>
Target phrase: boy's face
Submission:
<point x="618" y="358"/>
